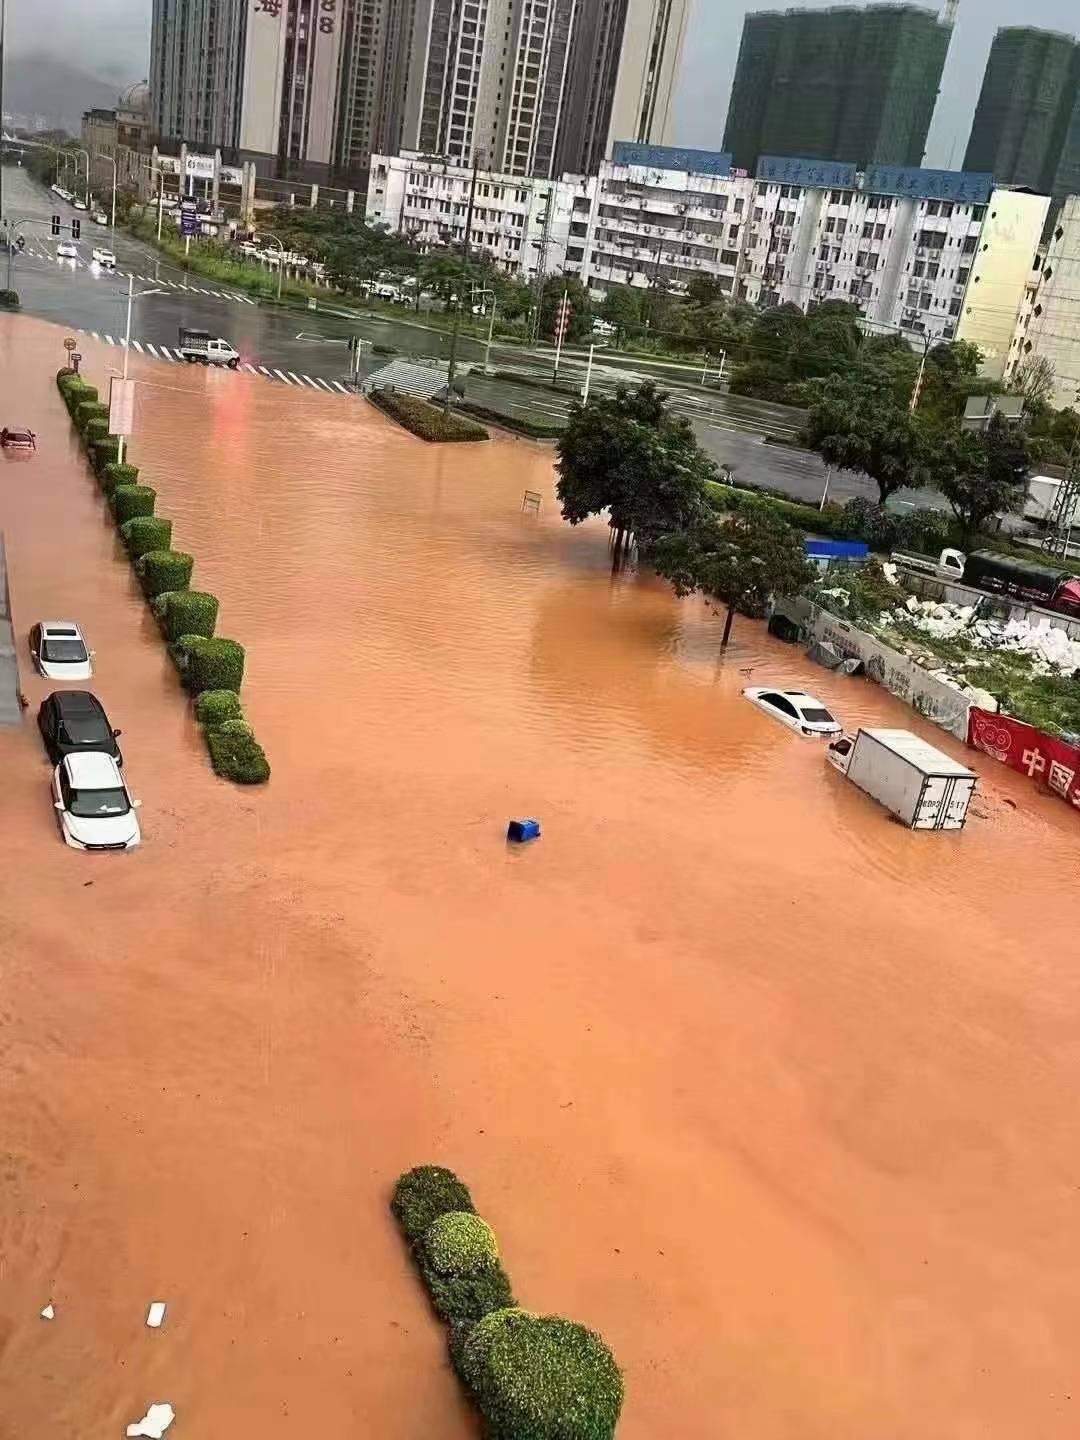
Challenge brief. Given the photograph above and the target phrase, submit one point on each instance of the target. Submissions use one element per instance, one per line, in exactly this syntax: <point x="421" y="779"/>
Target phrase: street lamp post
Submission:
<point x="266" y="235"/>
<point x="127" y="350"/>
<point x="86" y="156"/>
<point x="100" y="155"/>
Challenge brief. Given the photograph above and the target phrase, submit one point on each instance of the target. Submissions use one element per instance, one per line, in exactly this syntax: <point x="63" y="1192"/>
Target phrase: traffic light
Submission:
<point x="56" y="224"/>
<point x="76" y="228"/>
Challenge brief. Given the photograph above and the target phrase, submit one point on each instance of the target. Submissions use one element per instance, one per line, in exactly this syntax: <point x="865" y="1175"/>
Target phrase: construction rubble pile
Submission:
<point x="1049" y="648"/>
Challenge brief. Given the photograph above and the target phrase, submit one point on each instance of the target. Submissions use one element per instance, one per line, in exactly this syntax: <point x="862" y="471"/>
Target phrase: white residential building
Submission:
<point x="924" y="253"/>
<point x="1049" y="323"/>
<point x="523" y="224"/>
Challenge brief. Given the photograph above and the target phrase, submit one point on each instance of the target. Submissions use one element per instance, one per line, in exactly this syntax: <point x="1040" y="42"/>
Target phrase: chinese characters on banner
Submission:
<point x="1050" y="762"/>
<point x="327" y="9"/>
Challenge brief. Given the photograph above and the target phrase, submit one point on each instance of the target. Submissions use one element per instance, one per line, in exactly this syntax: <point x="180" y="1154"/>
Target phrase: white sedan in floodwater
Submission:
<point x="795" y="709"/>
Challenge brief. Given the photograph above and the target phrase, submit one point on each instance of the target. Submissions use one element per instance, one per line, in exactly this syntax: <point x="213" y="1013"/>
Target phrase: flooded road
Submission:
<point x="777" y="1096"/>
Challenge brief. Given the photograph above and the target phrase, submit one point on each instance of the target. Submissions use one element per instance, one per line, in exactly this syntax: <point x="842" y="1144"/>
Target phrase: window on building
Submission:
<point x="879" y="232"/>
<point x="932" y="271"/>
<point x="729" y="257"/>
<point x="971" y="244"/>
<point x="924" y="300"/>
<point x="978" y="212"/>
<point x="954" y="307"/>
<point x="739" y="205"/>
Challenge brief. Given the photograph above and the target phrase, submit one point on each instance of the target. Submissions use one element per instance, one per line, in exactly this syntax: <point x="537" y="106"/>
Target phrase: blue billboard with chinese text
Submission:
<point x="790" y="170"/>
<point x="671" y="157"/>
<point x="963" y="186"/>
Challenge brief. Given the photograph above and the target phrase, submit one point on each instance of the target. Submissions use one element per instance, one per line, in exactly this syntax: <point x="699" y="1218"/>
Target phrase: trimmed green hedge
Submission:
<point x="532" y="1377"/>
<point x="425" y="1193"/>
<point x="236" y="755"/>
<point x="146" y="533"/>
<point x="104" y="453"/>
<point x="828" y="522"/>
<point x="9" y="299"/>
<point x="428" y="422"/>
<point x="214" y="707"/>
<point x="186" y="612"/>
<point x="87" y="410"/>
<point x="460" y="1243"/>
<point x="128" y="501"/>
<point x="518" y="424"/>
<point x="208" y="664"/>
<point x="95" y="430"/>
<point x="161" y="570"/>
<point x="539" y="1377"/>
<point x="114" y="475"/>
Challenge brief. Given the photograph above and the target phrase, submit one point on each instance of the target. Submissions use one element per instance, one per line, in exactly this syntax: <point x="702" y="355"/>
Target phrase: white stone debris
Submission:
<point x="154" y="1423"/>
<point x="1049" y="648"/>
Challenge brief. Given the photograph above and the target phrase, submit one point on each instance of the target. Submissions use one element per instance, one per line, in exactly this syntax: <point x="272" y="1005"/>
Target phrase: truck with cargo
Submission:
<point x="199" y="347"/>
<point x="1027" y="581"/>
<point x="923" y="787"/>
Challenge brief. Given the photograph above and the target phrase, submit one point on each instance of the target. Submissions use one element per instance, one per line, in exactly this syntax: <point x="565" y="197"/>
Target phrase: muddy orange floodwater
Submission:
<point x="779" y="1097"/>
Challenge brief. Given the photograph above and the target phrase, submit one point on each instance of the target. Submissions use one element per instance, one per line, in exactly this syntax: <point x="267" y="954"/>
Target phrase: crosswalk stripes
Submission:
<point x="47" y="258"/>
<point x="172" y="355"/>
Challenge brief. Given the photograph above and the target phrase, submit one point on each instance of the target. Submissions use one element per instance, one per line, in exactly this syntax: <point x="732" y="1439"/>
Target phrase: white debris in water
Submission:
<point x="156" y="1314"/>
<point x="49" y="1313"/>
<point x="1049" y="647"/>
<point x="154" y="1423"/>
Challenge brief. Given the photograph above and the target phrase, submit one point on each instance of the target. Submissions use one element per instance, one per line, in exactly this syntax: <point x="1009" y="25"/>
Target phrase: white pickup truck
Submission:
<point x="199" y="347"/>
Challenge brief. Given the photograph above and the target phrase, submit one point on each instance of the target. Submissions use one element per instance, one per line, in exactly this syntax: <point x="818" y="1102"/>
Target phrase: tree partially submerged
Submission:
<point x="740" y="561"/>
<point x="628" y="455"/>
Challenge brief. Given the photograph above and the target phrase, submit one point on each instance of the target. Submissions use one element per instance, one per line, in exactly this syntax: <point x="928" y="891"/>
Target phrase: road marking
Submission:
<point x="309" y="381"/>
<point x="320" y="381"/>
<point x="338" y="386"/>
<point x="137" y="346"/>
<point x="264" y="370"/>
<point x="110" y="340"/>
<point x="293" y="375"/>
<point x="165" y="355"/>
<point x="95" y="335"/>
<point x="249" y="368"/>
<point x="282" y="377"/>
<point x="151" y="349"/>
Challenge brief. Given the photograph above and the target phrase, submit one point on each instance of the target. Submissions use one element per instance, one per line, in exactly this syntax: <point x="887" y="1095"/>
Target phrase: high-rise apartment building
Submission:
<point x="1028" y="96"/>
<point x="532" y="86"/>
<point x="837" y="84"/>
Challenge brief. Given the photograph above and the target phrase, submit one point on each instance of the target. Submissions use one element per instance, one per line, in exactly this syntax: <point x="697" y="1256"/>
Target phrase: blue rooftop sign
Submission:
<point x="671" y="157"/>
<point x="959" y="185"/>
<point x="789" y="170"/>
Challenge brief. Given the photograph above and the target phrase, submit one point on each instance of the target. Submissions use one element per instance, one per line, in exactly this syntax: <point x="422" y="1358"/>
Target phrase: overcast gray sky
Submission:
<point x="111" y="38"/>
<point x="713" y="44"/>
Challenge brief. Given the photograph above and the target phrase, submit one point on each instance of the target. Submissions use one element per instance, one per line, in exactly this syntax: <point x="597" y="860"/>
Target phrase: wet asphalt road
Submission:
<point x="91" y="300"/>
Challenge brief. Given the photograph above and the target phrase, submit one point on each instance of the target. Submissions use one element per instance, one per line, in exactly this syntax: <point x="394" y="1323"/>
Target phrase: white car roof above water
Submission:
<point x="93" y="770"/>
<point x="50" y="627"/>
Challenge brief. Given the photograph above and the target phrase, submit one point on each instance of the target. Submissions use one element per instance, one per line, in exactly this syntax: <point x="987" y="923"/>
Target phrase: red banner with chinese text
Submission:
<point x="1045" y="759"/>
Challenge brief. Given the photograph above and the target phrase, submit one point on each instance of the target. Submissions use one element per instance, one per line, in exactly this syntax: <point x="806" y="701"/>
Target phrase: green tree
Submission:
<point x="627" y="454"/>
<point x="855" y="429"/>
<point x="622" y="308"/>
<point x="983" y="475"/>
<point x="740" y="561"/>
<point x="581" y="314"/>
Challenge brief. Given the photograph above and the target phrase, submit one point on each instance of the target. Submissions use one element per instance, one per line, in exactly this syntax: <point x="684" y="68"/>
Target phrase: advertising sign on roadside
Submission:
<point x="121" y="406"/>
<point x="189" y="217"/>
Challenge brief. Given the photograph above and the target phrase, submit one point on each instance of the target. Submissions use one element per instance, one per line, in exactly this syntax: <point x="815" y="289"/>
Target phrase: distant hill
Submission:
<point x="40" y="85"/>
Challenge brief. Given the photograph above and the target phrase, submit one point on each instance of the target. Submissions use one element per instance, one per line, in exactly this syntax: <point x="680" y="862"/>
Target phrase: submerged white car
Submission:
<point x="92" y="803"/>
<point x="59" y="651"/>
<point x="795" y="709"/>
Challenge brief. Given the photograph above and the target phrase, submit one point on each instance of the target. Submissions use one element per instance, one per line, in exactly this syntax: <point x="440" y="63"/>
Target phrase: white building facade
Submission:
<point x="1049" y="324"/>
<point x="927" y="254"/>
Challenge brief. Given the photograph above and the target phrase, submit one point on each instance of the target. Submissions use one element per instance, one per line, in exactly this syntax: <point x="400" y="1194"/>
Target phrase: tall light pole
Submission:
<point x="100" y="155"/>
<point x="281" y="257"/>
<point x="127" y="350"/>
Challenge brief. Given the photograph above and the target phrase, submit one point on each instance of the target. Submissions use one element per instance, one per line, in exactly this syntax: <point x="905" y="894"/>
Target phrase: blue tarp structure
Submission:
<point x="836" y="549"/>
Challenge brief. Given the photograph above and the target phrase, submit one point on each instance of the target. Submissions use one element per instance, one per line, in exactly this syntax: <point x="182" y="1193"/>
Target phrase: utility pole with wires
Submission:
<point x="541" y="272"/>
<point x="916" y="390"/>
<point x="452" y="359"/>
<point x="1063" y="515"/>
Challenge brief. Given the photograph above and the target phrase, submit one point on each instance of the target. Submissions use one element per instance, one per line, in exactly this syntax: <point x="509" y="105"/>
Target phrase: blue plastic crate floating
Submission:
<point x="521" y="830"/>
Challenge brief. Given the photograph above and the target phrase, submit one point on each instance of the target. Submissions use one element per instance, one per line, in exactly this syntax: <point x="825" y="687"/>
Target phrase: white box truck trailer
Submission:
<point x="923" y="787"/>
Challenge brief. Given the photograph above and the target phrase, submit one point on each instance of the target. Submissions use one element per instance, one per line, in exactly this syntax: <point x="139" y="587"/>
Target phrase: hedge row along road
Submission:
<point x="211" y="668"/>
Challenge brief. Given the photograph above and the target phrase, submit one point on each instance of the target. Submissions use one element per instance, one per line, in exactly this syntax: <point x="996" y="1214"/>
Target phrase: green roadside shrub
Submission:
<point x="427" y="421"/>
<point x="236" y="755"/>
<point x="9" y="299"/>
<point x="462" y="1300"/>
<point x="460" y="1243"/>
<point x="77" y="393"/>
<point x="130" y="500"/>
<point x="118" y="474"/>
<point x="539" y="1377"/>
<point x="104" y="453"/>
<point x="214" y="707"/>
<point x="87" y="410"/>
<point x="66" y="378"/>
<point x="161" y="570"/>
<point x="94" y="430"/>
<point x="208" y="664"/>
<point x="146" y="533"/>
<point x="186" y="612"/>
<point x="424" y="1193"/>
